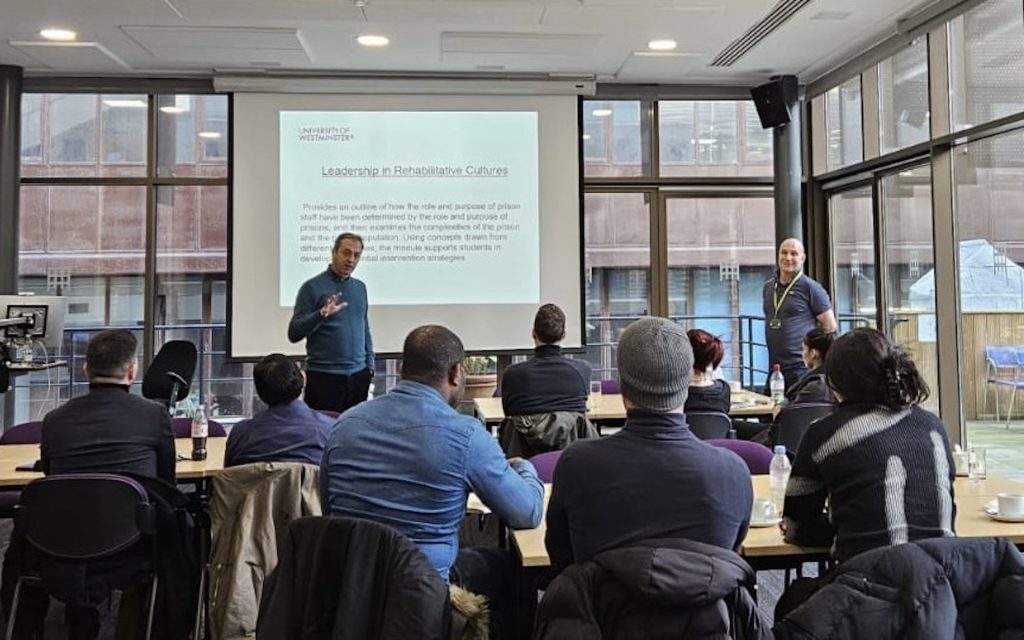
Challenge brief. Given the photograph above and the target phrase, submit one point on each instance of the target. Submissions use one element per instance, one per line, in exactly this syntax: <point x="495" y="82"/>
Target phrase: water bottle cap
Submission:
<point x="780" y="449"/>
<point x="776" y="367"/>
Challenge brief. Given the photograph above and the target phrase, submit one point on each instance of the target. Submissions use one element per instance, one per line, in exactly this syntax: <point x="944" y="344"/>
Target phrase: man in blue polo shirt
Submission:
<point x="331" y="314"/>
<point x="289" y="430"/>
<point x="794" y="303"/>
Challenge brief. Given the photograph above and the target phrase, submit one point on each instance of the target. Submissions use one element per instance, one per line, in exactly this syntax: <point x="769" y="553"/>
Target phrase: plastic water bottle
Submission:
<point x="779" y="476"/>
<point x="200" y="431"/>
<point x="777" y="384"/>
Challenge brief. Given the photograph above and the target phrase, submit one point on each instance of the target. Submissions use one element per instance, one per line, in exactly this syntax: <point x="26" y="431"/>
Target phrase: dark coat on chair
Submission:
<point x="527" y="436"/>
<point x="934" y="589"/>
<point x="340" y="578"/>
<point x="657" y="589"/>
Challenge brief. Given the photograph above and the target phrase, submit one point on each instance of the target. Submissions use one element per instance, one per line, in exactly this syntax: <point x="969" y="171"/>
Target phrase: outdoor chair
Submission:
<point x="1004" y="368"/>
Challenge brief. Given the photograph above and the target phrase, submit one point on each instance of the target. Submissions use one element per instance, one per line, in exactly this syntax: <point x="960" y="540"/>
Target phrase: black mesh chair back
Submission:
<point x="709" y="425"/>
<point x="83" y="518"/>
<point x="792" y="422"/>
<point x="169" y="376"/>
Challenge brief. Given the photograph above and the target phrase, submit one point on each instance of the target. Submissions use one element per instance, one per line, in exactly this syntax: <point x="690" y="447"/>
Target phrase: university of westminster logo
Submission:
<point x="325" y="134"/>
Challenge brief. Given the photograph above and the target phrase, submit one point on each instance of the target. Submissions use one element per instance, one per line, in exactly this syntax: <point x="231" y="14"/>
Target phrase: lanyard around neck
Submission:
<point x="775" y="293"/>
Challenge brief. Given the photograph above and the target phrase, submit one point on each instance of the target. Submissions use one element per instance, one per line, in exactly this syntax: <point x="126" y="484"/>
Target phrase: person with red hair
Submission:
<point x="706" y="393"/>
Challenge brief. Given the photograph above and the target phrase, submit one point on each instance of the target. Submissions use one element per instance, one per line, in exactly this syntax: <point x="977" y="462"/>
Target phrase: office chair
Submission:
<point x="83" y="519"/>
<point x="709" y="425"/>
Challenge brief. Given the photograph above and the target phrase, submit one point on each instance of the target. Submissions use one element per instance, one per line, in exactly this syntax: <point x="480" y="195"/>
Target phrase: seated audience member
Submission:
<point x="654" y="478"/>
<point x="409" y="460"/>
<point x="880" y="462"/>
<point x="706" y="393"/>
<point x="545" y="398"/>
<point x="549" y="381"/>
<point x="109" y="429"/>
<point x="812" y="387"/>
<point x="289" y="430"/>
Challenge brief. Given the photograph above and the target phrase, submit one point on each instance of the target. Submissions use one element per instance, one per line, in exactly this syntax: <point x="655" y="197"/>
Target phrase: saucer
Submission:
<point x="992" y="510"/>
<point x="760" y="524"/>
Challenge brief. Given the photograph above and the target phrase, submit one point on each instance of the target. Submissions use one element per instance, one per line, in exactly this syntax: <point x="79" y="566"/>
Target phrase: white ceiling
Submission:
<point x="601" y="38"/>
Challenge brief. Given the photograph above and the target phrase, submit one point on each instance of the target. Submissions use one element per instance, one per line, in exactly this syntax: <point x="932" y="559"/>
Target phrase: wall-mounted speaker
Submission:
<point x="772" y="100"/>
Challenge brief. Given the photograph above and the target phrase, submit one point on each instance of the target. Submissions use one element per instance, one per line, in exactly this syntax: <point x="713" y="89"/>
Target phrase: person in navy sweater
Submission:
<point x="331" y="315"/>
<point x="289" y="430"/>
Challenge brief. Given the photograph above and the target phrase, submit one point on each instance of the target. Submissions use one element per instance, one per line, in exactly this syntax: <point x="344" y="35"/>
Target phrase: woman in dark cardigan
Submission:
<point x="812" y="387"/>
<point x="706" y="393"/>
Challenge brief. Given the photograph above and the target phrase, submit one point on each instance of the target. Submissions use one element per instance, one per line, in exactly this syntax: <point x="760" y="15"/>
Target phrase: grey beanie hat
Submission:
<point x="655" y="364"/>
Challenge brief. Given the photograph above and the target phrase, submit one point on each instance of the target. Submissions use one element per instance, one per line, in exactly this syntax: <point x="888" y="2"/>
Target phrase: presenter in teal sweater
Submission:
<point x="331" y="315"/>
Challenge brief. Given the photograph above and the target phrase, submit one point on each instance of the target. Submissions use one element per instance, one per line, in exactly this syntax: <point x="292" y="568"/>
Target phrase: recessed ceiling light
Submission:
<point x="661" y="45"/>
<point x="601" y="113"/>
<point x="131" y="103"/>
<point x="61" y="35"/>
<point x="373" y="41"/>
<point x="586" y="136"/>
<point x="173" y="110"/>
<point x="211" y="135"/>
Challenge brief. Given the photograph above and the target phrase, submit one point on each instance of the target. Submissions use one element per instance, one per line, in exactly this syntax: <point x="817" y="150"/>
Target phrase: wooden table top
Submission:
<point x="610" y="407"/>
<point x="12" y="455"/>
<point x="971" y="522"/>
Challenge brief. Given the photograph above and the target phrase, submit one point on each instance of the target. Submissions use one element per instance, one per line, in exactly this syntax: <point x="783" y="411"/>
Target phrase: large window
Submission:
<point x="988" y="178"/>
<point x="844" y="128"/>
<point x="853" y="255"/>
<point x="618" y="271"/>
<point x="986" y="63"/>
<point x="903" y="115"/>
<point x="712" y="138"/>
<point x="910" y="269"/>
<point x="88" y="241"/>
<point x="720" y="253"/>
<point x="614" y="140"/>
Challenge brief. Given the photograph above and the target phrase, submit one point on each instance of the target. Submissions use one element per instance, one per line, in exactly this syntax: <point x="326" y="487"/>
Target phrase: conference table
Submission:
<point x="13" y="455"/>
<point x="609" y="407"/>
<point x="763" y="548"/>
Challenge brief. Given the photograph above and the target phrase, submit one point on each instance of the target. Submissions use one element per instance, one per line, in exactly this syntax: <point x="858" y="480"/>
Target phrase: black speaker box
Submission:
<point x="771" y="100"/>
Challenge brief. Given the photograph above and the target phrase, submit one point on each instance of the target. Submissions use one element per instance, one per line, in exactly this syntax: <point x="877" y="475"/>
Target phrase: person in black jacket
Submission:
<point x="549" y="382"/>
<point x="812" y="387"/>
<point x="108" y="430"/>
<point x="706" y="393"/>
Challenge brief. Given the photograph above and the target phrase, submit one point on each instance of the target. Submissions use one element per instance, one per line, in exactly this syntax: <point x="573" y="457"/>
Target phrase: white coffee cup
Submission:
<point x="763" y="510"/>
<point x="960" y="462"/>
<point x="1011" y="504"/>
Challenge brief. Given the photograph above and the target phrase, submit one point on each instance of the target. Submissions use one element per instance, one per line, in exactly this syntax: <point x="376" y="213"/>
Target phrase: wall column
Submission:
<point x="788" y="171"/>
<point x="10" y="174"/>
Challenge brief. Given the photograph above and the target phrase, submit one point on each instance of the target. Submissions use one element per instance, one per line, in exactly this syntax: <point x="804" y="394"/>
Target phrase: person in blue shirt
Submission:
<point x="409" y="460"/>
<point x="331" y="315"/>
<point x="289" y="430"/>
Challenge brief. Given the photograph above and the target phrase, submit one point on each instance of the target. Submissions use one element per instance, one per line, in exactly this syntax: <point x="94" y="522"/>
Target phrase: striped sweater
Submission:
<point x="885" y="477"/>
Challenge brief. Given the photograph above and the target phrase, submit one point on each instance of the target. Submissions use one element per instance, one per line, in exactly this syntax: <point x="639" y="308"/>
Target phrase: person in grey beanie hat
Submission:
<point x="654" y="479"/>
<point x="655" y="365"/>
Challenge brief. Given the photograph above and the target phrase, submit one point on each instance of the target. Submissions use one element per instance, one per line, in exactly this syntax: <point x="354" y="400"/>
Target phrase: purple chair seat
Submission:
<point x="24" y="433"/>
<point x="757" y="456"/>
<point x="545" y="463"/>
<point x="610" y="387"/>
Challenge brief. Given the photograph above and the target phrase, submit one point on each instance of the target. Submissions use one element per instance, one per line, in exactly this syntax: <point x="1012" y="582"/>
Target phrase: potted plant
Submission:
<point x="481" y="376"/>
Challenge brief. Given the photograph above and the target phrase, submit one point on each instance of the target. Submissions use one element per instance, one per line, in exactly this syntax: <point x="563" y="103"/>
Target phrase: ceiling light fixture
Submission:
<point x="209" y="135"/>
<point x="601" y="113"/>
<point x="662" y="45"/>
<point x="129" y="103"/>
<point x="60" y="35"/>
<point x="369" y="40"/>
<point x="173" y="110"/>
<point x="586" y="136"/>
